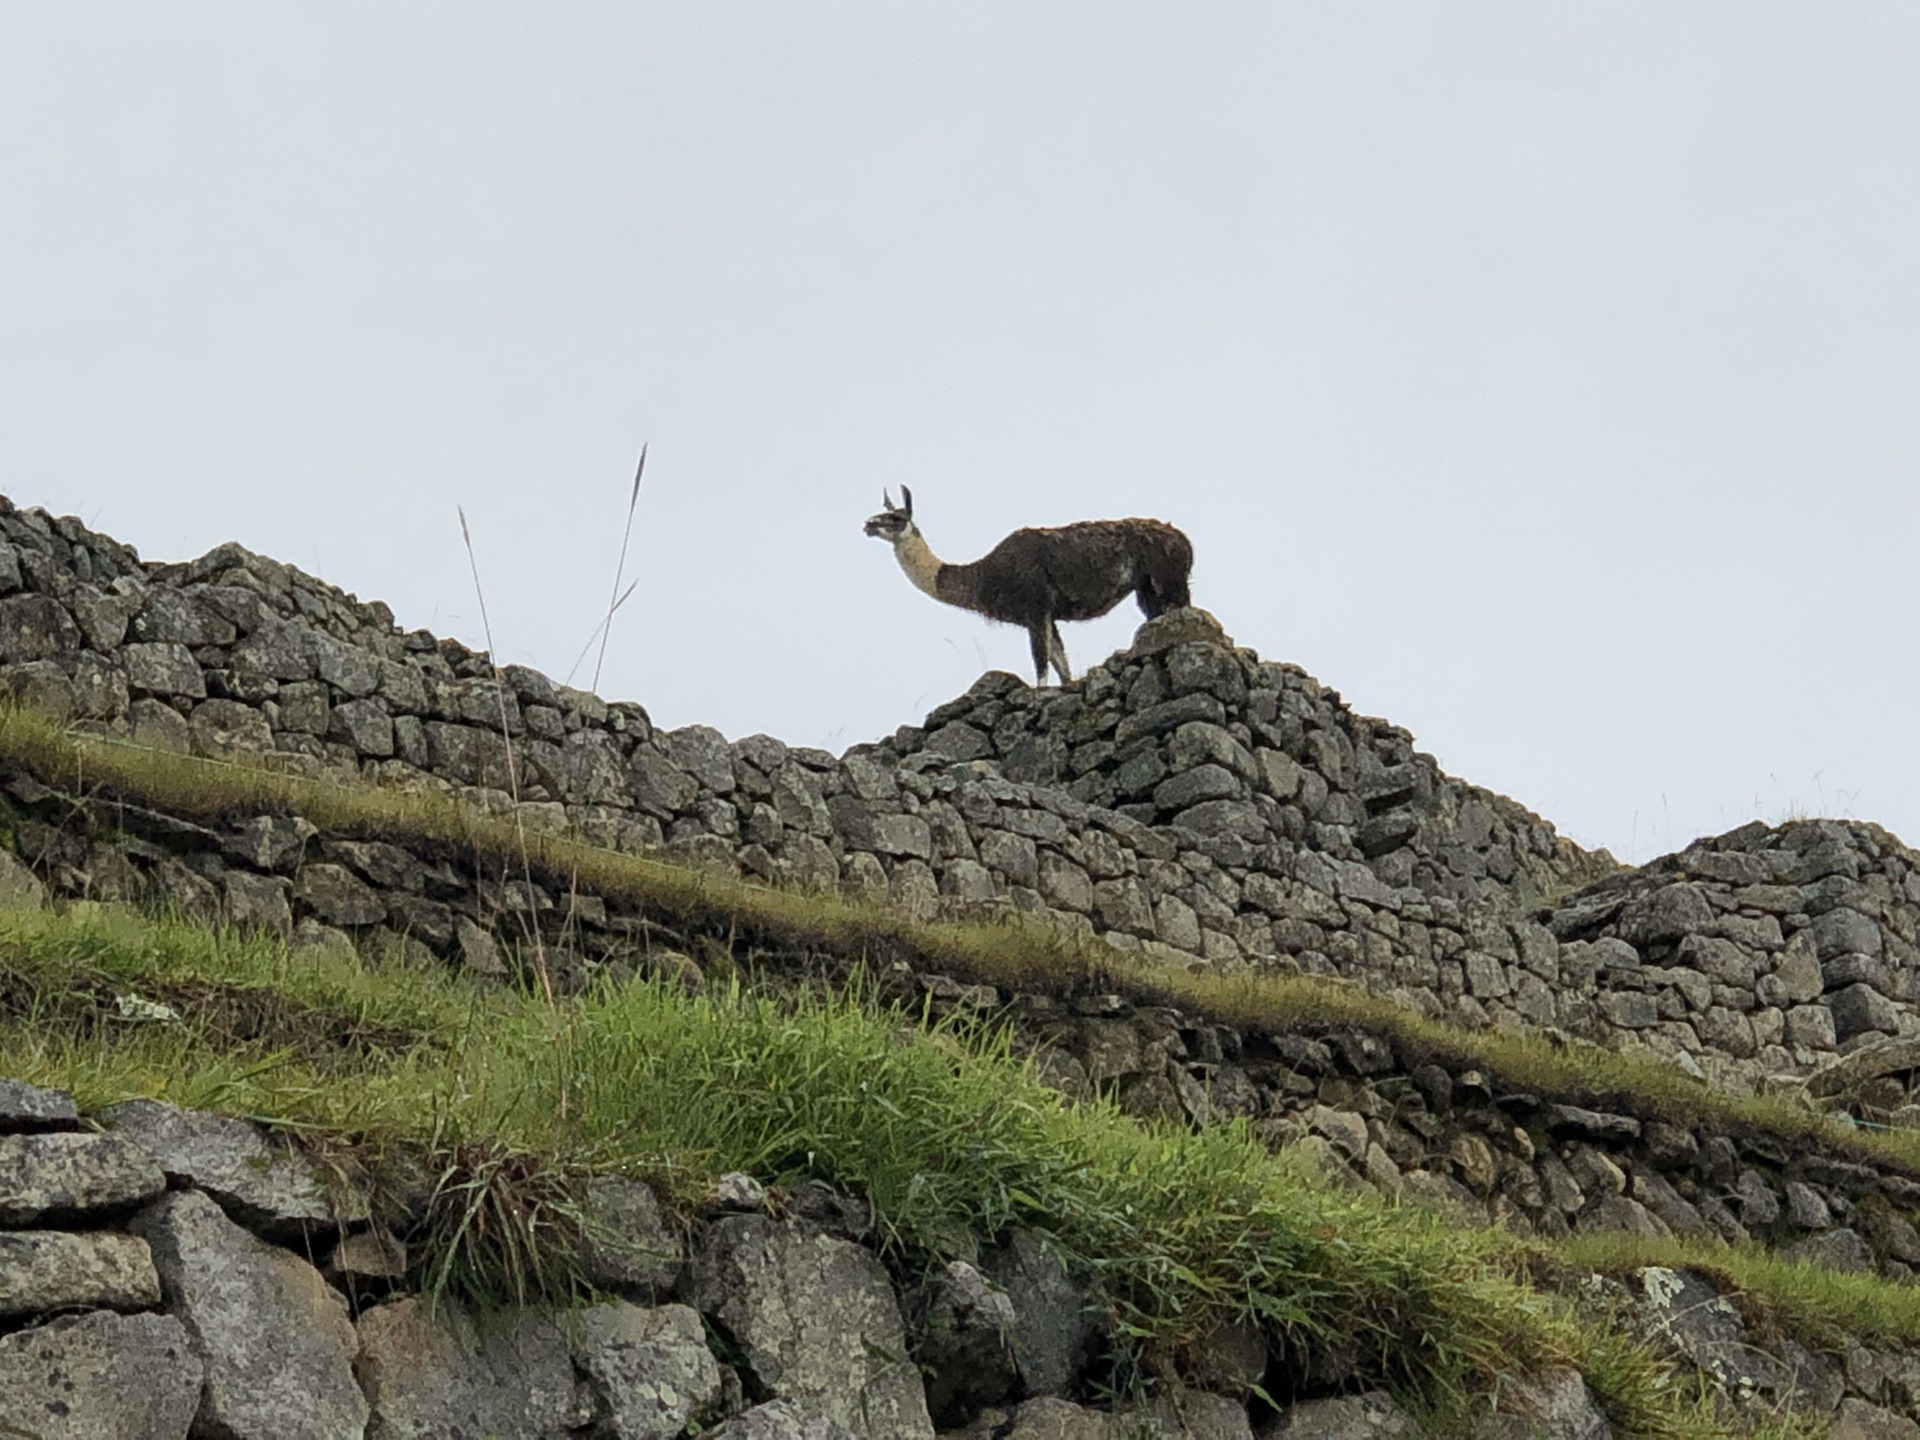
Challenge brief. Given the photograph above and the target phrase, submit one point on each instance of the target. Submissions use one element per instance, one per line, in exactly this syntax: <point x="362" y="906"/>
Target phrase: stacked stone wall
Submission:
<point x="1186" y="799"/>
<point x="169" y="1271"/>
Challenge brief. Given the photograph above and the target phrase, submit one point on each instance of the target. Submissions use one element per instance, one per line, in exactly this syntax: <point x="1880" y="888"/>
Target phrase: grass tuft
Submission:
<point x="1824" y="1309"/>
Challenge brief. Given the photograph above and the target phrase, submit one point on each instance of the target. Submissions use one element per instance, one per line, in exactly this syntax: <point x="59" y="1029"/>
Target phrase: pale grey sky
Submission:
<point x="1541" y="377"/>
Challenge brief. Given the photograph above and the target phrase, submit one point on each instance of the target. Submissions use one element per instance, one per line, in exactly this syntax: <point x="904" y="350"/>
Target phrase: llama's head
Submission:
<point x="895" y="523"/>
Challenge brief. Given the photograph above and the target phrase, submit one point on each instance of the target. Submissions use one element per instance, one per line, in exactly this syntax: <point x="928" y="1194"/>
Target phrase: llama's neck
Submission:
<point x="923" y="567"/>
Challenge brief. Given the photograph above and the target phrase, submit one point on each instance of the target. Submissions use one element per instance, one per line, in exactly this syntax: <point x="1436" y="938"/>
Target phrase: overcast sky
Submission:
<point x="1541" y="377"/>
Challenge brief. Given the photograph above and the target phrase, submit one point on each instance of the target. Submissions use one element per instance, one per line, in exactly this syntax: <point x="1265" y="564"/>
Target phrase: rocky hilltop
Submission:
<point x="1188" y="804"/>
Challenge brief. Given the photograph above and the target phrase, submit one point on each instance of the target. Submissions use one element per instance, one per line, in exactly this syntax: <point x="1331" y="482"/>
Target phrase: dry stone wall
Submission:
<point x="181" y="1275"/>
<point x="1186" y="799"/>
<point x="1370" y="1106"/>
<point x="168" y="1272"/>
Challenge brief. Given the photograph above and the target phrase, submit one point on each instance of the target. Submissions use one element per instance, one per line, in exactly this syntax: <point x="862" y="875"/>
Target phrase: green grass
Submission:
<point x="1823" y="1309"/>
<point x="506" y="1102"/>
<point x="1014" y="953"/>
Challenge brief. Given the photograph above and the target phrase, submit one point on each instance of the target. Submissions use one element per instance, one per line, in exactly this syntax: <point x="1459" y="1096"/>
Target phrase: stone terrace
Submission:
<point x="1186" y="799"/>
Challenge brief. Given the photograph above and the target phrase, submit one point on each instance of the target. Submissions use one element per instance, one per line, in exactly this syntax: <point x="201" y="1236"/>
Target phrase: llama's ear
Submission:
<point x="886" y="500"/>
<point x="908" y="496"/>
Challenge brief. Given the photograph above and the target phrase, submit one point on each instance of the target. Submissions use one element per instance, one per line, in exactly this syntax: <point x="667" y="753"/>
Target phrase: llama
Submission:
<point x="1035" y="578"/>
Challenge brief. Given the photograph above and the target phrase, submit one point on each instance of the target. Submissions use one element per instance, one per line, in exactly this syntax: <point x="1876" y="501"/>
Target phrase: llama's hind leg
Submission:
<point x="1059" y="652"/>
<point x="1037" y="636"/>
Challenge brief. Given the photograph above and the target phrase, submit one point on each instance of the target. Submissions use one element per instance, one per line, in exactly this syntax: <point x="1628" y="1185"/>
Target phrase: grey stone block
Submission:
<point x="100" y="1376"/>
<point x="29" y="1107"/>
<point x="336" y="896"/>
<point x="815" y="1318"/>
<point x="264" y="1189"/>
<point x="274" y="1337"/>
<point x="650" y="1370"/>
<point x="35" y="627"/>
<point x="1859" y="1009"/>
<point x="43" y="1270"/>
<point x="65" y="1175"/>
<point x="429" y="1376"/>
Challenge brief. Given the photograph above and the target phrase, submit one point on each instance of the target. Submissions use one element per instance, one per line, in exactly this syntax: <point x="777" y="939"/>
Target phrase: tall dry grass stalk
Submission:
<point x="604" y="630"/>
<point x="616" y="599"/>
<point x="513" y="769"/>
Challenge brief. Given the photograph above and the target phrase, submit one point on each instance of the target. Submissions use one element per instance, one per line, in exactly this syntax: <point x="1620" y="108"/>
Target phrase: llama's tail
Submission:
<point x="1163" y="559"/>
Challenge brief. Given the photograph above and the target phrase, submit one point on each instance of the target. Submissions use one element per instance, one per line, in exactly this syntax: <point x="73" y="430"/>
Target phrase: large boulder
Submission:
<point x="814" y="1318"/>
<point x="274" y="1337"/>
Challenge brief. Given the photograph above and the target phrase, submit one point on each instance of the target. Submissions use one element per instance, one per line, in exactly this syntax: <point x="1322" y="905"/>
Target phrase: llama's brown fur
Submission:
<point x="1038" y="577"/>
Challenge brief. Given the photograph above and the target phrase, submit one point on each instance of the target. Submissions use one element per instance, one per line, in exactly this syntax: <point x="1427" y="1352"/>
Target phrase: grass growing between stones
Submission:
<point x="1015" y="952"/>
<point x="507" y="1103"/>
<point x="1823" y="1309"/>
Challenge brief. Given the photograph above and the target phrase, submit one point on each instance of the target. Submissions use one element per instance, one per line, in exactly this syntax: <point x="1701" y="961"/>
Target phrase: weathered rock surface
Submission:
<point x="650" y="1369"/>
<point x="814" y="1318"/>
<point x="963" y="1339"/>
<point x="442" y="1377"/>
<point x="1556" y="1406"/>
<point x="1703" y="1326"/>
<point x="265" y="1190"/>
<point x="1857" y="1420"/>
<point x="67" y="1175"/>
<point x="630" y="1249"/>
<point x="100" y="1377"/>
<point x="1189" y="1415"/>
<point x="1046" y="1418"/>
<point x="1372" y="1416"/>
<point x="28" y="1107"/>
<point x="1056" y="1316"/>
<point x="43" y="1270"/>
<point x="274" y="1337"/>
<point x="796" y="1419"/>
